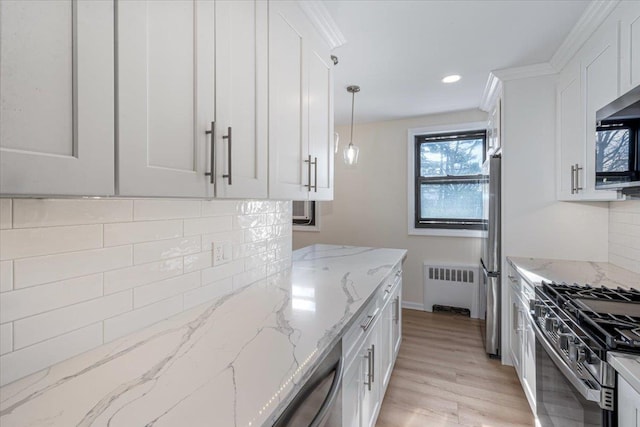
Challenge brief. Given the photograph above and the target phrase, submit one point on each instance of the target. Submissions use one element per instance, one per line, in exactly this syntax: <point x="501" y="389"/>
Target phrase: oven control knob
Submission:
<point x="550" y="324"/>
<point x="577" y="352"/>
<point x="565" y="339"/>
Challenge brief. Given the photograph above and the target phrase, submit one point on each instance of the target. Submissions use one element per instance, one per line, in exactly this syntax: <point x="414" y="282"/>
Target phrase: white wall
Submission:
<point x="624" y="234"/>
<point x="75" y="274"/>
<point x="370" y="201"/>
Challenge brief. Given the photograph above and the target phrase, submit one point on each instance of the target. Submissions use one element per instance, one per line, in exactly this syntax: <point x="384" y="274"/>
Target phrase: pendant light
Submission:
<point x="351" y="151"/>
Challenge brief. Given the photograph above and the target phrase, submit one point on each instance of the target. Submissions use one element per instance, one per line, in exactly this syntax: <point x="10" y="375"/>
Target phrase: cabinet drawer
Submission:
<point x="389" y="286"/>
<point x="353" y="338"/>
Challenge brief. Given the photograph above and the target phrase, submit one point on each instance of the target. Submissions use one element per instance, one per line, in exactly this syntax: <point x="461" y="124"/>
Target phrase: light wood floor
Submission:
<point x="443" y="377"/>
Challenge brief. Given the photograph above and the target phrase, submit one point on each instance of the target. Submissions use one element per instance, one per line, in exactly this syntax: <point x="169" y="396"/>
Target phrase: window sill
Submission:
<point x="315" y="228"/>
<point x="443" y="232"/>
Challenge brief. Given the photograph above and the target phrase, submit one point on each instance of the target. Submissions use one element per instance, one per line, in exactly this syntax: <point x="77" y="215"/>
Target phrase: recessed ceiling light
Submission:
<point x="451" y="79"/>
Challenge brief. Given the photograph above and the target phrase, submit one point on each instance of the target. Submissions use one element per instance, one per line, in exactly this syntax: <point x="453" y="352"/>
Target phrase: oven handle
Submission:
<point x="586" y="392"/>
<point x="336" y="387"/>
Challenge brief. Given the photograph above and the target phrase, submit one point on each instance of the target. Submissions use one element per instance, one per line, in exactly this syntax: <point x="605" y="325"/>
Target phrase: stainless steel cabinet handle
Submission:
<point x="578" y="169"/>
<point x="229" y="138"/>
<point x="573" y="179"/>
<point x="373" y="363"/>
<point x="369" y="364"/>
<point x="370" y="320"/>
<point x="309" y="186"/>
<point x="211" y="172"/>
<point x="315" y="177"/>
<point x="397" y="313"/>
<point x="512" y="278"/>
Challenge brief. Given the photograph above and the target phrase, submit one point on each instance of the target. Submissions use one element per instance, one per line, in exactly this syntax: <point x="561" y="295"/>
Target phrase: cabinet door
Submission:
<point x="371" y="397"/>
<point x="289" y="175"/>
<point x="320" y="128"/>
<point x="396" y="325"/>
<point x="600" y="86"/>
<point x="385" y="331"/>
<point x="241" y="98"/>
<point x="630" y="47"/>
<point x="628" y="404"/>
<point x="165" y="97"/>
<point x="352" y="393"/>
<point x="515" y="328"/>
<point x="570" y="143"/>
<point x="56" y="85"/>
<point x="529" y="359"/>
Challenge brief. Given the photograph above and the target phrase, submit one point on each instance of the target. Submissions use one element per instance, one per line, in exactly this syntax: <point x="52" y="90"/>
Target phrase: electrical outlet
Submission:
<point x="222" y="252"/>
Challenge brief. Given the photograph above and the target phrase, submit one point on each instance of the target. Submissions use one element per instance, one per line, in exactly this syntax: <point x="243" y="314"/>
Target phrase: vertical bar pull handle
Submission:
<point x="228" y="137"/>
<point x="211" y="174"/>
<point x="373" y="362"/>
<point x="315" y="180"/>
<point x="573" y="179"/>
<point x="368" y="357"/>
<point x="309" y="186"/>
<point x="578" y="169"/>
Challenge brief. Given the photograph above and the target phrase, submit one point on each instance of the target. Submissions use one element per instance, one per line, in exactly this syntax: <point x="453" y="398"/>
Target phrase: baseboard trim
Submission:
<point x="412" y="305"/>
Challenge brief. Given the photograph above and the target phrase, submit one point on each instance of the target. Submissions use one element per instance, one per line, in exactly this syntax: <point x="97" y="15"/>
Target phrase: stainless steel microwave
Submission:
<point x="618" y="144"/>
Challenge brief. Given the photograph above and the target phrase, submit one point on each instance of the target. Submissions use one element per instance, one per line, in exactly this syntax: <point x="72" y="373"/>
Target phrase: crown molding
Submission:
<point x="320" y="17"/>
<point x="594" y="15"/>
<point x="535" y="70"/>
<point x="491" y="92"/>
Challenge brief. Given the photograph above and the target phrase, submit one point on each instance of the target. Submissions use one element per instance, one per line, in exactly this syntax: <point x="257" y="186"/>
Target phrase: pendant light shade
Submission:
<point x="351" y="151"/>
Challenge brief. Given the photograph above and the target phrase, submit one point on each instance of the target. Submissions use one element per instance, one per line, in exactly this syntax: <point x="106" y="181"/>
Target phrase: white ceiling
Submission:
<point x="398" y="51"/>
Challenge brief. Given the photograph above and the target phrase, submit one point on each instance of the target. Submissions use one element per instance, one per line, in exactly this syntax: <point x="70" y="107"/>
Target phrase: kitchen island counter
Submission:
<point x="235" y="361"/>
<point x="535" y="270"/>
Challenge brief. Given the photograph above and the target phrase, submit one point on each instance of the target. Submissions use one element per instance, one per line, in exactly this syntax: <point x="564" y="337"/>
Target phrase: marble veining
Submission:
<point x="534" y="270"/>
<point x="235" y="361"/>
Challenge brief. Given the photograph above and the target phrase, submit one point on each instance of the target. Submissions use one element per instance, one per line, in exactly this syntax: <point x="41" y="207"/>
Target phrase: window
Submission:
<point x="448" y="180"/>
<point x="306" y="216"/>
<point x="616" y="151"/>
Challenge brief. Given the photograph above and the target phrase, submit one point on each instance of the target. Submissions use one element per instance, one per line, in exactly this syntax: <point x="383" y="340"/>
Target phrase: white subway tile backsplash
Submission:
<point x="198" y="261"/>
<point x="51" y="212"/>
<point x="163" y="249"/>
<point x="20" y="363"/>
<point x="221" y="208"/>
<point x="51" y="268"/>
<point x="6" y="338"/>
<point x="145" y="295"/>
<point x="137" y="319"/>
<point x="6" y="214"/>
<point x="624" y="234"/>
<point x="241" y="222"/>
<point x="30" y="242"/>
<point x="57" y="322"/>
<point x="215" y="274"/>
<point x="136" y="232"/>
<point x="75" y="273"/>
<point x="39" y="299"/>
<point x="6" y="276"/>
<point x="151" y="209"/>
<point x="206" y="225"/>
<point x="207" y="293"/>
<point x="130" y="277"/>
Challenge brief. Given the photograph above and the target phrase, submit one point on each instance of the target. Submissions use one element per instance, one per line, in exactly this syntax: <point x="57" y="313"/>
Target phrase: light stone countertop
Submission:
<point x="235" y="361"/>
<point x="534" y="270"/>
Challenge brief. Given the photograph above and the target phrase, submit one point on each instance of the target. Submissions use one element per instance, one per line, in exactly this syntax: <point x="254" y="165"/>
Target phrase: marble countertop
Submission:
<point x="534" y="270"/>
<point x="627" y="365"/>
<point x="236" y="361"/>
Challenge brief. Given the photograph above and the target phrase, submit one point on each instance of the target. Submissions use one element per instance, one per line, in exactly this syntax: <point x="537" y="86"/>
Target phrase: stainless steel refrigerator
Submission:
<point x="491" y="256"/>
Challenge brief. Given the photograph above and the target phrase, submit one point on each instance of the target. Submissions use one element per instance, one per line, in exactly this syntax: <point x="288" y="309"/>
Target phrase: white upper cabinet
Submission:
<point x="587" y="84"/>
<point x="241" y="135"/>
<point x="630" y="46"/>
<point x="165" y="97"/>
<point x="300" y="107"/>
<point x="57" y="106"/>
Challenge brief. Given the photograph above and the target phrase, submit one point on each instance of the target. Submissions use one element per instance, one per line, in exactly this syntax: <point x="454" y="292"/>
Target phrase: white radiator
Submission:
<point x="451" y="286"/>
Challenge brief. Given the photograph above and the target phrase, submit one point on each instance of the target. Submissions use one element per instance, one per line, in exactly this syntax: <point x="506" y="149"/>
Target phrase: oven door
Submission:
<point x="562" y="398"/>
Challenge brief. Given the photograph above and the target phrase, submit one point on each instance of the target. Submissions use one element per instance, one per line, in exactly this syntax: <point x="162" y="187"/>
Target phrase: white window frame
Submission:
<point x="316" y="226"/>
<point x="411" y="188"/>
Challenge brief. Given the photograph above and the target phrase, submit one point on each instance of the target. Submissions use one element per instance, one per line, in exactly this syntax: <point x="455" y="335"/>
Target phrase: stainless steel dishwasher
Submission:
<point x="319" y="401"/>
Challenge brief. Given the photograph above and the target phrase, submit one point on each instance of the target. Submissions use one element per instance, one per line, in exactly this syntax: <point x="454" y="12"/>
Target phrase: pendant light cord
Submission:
<point x="353" y="99"/>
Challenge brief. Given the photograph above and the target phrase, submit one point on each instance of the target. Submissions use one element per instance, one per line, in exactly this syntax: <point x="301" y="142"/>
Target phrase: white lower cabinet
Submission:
<point x="370" y="350"/>
<point x="522" y="339"/>
<point x="628" y="404"/>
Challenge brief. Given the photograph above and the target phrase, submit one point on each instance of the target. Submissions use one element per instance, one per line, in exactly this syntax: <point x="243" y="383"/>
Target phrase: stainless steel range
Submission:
<point x="575" y="327"/>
